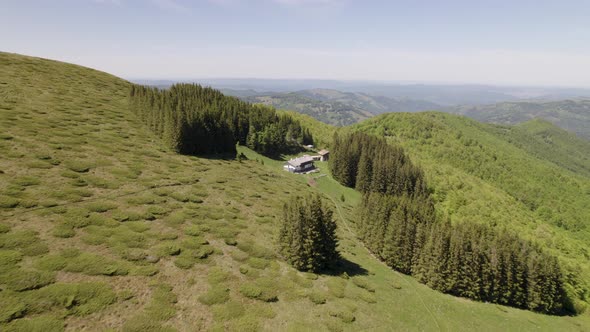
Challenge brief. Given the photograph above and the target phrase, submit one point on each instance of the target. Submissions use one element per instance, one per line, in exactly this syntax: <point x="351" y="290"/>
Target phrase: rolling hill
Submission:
<point x="572" y="115"/>
<point x="105" y="228"/>
<point x="373" y="104"/>
<point x="346" y="108"/>
<point x="507" y="177"/>
<point x="332" y="106"/>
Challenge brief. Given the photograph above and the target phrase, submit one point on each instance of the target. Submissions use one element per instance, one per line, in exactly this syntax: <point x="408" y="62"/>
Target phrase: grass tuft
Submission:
<point x="101" y="206"/>
<point x="184" y="261"/>
<point x="4" y="228"/>
<point x="362" y="282"/>
<point x="261" y="289"/>
<point x="21" y="280"/>
<point x="86" y="263"/>
<point x="27" y="181"/>
<point x="217" y="275"/>
<point x="317" y="297"/>
<point x="168" y="249"/>
<point x="344" y="315"/>
<point x="44" y="323"/>
<point x="258" y="263"/>
<point x="76" y="299"/>
<point x="215" y="295"/>
<point x="337" y="287"/>
<point x="227" y="311"/>
<point x="7" y="202"/>
<point x="63" y="231"/>
<point x="11" y="307"/>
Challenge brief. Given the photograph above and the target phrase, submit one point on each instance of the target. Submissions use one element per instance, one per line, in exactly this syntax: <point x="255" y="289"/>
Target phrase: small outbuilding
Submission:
<point x="300" y="165"/>
<point x="324" y="155"/>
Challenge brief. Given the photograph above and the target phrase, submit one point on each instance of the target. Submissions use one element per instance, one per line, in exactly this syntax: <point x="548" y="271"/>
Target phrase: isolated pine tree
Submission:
<point x="307" y="237"/>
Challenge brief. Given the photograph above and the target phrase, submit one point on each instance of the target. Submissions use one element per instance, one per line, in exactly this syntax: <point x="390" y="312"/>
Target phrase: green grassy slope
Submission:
<point x="101" y="227"/>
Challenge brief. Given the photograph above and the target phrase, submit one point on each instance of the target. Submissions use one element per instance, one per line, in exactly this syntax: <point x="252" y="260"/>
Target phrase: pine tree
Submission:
<point x="398" y="223"/>
<point x="456" y="256"/>
<point x="365" y="173"/>
<point x="307" y="237"/>
<point x="196" y="120"/>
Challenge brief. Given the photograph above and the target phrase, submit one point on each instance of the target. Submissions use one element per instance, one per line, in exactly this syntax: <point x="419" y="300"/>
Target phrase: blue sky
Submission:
<point x="499" y="42"/>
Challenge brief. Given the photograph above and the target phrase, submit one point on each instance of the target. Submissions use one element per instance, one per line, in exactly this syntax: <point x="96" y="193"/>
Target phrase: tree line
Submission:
<point x="197" y="120"/>
<point x="369" y="164"/>
<point x="397" y="221"/>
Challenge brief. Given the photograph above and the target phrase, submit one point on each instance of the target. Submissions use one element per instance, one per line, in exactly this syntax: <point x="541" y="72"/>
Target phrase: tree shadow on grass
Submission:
<point x="345" y="266"/>
<point x="232" y="156"/>
<point x="226" y="156"/>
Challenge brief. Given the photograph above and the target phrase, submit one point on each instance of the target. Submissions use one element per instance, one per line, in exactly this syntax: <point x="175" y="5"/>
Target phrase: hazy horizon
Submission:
<point x="528" y="43"/>
<point x="353" y="81"/>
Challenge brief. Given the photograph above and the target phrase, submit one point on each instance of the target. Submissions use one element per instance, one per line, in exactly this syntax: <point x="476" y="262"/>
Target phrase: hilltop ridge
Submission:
<point x="570" y="114"/>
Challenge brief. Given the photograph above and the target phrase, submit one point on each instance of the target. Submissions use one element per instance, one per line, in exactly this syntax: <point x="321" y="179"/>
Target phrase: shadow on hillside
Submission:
<point x="345" y="266"/>
<point x="286" y="154"/>
<point x="227" y="156"/>
<point x="230" y="156"/>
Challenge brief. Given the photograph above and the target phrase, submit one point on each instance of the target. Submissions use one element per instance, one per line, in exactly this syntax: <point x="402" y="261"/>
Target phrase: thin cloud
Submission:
<point x="171" y="5"/>
<point x="110" y="2"/>
<point x="291" y="3"/>
<point x="308" y="2"/>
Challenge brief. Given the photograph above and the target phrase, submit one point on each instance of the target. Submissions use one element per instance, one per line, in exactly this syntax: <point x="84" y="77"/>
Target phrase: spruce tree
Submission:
<point x="398" y="223"/>
<point x="307" y="237"/>
<point x="196" y="120"/>
<point x="365" y="173"/>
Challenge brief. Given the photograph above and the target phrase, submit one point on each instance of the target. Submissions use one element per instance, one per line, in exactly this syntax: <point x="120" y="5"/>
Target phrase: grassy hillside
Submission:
<point x="103" y="228"/>
<point x="572" y="115"/>
<point x="503" y="176"/>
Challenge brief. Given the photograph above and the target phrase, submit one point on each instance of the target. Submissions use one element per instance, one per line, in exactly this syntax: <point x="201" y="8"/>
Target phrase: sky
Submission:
<point x="504" y="42"/>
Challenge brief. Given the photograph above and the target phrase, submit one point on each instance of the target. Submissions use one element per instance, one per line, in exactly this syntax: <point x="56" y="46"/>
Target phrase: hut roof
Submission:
<point x="300" y="161"/>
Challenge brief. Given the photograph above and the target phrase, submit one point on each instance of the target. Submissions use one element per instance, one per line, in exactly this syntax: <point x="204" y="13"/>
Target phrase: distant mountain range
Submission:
<point x="343" y="103"/>
<point x="571" y="115"/>
<point x="442" y="94"/>
<point x="332" y="106"/>
<point x="344" y="108"/>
